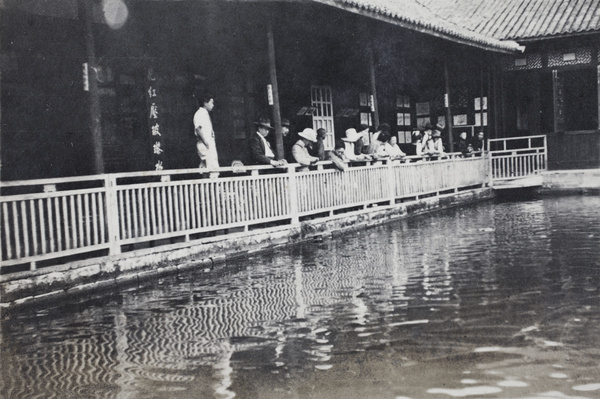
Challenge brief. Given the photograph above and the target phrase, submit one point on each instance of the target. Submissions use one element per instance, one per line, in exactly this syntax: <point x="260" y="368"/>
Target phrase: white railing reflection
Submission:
<point x="101" y="215"/>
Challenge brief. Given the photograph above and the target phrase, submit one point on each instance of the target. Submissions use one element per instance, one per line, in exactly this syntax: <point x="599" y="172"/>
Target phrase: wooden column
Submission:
<point x="0" y="116"/>
<point x="448" y="107"/>
<point x="494" y="90"/>
<point x="503" y="106"/>
<point x="481" y="111"/>
<point x="598" y="127"/>
<point x="373" y="83"/>
<point x="93" y="98"/>
<point x="275" y="89"/>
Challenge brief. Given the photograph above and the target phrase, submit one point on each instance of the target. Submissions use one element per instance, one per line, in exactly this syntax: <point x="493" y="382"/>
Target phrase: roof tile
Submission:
<point x="520" y="19"/>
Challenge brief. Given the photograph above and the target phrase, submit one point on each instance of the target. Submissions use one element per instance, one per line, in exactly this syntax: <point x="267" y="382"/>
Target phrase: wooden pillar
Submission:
<point x="0" y="116"/>
<point x="481" y="111"/>
<point x="493" y="92"/>
<point x="448" y="107"/>
<point x="275" y="90"/>
<point x="93" y="98"/>
<point x="598" y="127"/>
<point x="503" y="106"/>
<point x="373" y="83"/>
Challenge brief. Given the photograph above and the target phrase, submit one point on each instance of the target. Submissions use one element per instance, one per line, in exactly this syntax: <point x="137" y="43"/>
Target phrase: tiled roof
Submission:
<point x="412" y="14"/>
<point x="520" y="19"/>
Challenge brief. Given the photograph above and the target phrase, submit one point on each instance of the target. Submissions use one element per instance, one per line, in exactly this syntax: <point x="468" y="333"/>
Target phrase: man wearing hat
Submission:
<point x="435" y="146"/>
<point x="427" y="136"/>
<point x="261" y="152"/>
<point x="300" y="149"/>
<point x="384" y="127"/>
<point x="416" y="139"/>
<point x="353" y="137"/>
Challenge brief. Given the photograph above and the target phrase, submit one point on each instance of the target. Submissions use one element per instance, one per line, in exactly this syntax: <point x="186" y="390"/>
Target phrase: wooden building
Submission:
<point x="553" y="88"/>
<point x="109" y="86"/>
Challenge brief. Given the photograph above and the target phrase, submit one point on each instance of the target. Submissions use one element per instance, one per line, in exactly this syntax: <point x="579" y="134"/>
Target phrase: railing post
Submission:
<point x="293" y="193"/>
<point x="112" y="214"/>
<point x="392" y="180"/>
<point x="490" y="170"/>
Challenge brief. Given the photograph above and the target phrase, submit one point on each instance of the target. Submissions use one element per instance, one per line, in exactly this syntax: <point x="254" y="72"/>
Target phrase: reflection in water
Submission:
<point x="497" y="300"/>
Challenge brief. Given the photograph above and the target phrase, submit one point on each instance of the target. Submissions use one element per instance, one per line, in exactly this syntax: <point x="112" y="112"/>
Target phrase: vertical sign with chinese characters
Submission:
<point x="152" y="94"/>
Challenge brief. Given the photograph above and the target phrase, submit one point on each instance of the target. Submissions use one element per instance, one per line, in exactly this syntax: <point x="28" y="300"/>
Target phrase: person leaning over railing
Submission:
<point x="435" y="147"/>
<point x="479" y="144"/>
<point x="351" y="140"/>
<point x="378" y="149"/>
<point x="393" y="150"/>
<point x="300" y="150"/>
<point x="338" y="156"/>
<point x="318" y="149"/>
<point x="260" y="149"/>
<point x="464" y="147"/>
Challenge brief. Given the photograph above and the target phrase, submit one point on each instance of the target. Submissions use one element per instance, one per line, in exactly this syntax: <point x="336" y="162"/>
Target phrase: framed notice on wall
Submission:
<point x="421" y="122"/>
<point x="460" y="120"/>
<point x="423" y="108"/>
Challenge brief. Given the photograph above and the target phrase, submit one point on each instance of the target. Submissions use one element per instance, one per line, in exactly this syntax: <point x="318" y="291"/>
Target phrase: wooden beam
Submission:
<point x="373" y="83"/>
<point x="86" y="17"/>
<point x="448" y="107"/>
<point x="481" y="111"/>
<point x="598" y="86"/>
<point x="273" y="77"/>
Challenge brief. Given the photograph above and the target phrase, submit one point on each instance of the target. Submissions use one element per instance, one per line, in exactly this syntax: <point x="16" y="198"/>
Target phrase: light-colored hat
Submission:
<point x="308" y="134"/>
<point x="352" y="135"/>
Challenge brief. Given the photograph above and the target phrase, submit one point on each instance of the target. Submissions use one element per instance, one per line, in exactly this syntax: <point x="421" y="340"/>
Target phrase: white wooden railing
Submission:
<point x="53" y="220"/>
<point x="517" y="157"/>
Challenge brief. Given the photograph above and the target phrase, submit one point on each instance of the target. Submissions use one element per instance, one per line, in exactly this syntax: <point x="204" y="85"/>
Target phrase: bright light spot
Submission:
<point x="468" y="381"/>
<point x="587" y="387"/>
<point x="487" y="349"/>
<point x="115" y="13"/>
<point x="558" y="375"/>
<point x="513" y="384"/>
<point x="532" y="328"/>
<point x="409" y="323"/>
<point x="553" y="343"/>
<point x="471" y="391"/>
<point x="323" y="366"/>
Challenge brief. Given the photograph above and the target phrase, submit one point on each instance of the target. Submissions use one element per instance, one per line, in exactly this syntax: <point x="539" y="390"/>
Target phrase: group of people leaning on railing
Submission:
<point x="309" y="147"/>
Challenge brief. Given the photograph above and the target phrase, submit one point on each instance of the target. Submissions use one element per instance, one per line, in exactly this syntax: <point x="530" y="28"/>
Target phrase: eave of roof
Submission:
<point x="521" y="20"/>
<point x="412" y="15"/>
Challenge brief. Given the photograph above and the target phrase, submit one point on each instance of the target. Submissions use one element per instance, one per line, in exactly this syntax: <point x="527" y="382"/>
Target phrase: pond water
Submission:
<point x="497" y="300"/>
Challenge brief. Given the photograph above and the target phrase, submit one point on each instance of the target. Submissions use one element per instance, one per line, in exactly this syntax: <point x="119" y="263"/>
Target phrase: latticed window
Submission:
<point x="321" y="99"/>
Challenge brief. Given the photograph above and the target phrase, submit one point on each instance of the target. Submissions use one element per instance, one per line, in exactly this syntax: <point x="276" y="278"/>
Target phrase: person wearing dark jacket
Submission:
<point x="463" y="145"/>
<point x="318" y="149"/>
<point x="479" y="144"/>
<point x="260" y="149"/>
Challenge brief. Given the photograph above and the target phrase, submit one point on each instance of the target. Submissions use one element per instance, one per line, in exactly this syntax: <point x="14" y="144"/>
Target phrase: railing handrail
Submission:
<point x="517" y="138"/>
<point x="70" y="220"/>
<point x="517" y="163"/>
<point x="101" y="178"/>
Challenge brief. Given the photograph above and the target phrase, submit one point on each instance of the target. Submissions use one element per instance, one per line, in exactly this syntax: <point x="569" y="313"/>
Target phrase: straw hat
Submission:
<point x="352" y="135"/>
<point x="308" y="134"/>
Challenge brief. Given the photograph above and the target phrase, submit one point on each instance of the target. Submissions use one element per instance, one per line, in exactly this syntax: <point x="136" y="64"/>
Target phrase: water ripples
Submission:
<point x="496" y="300"/>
